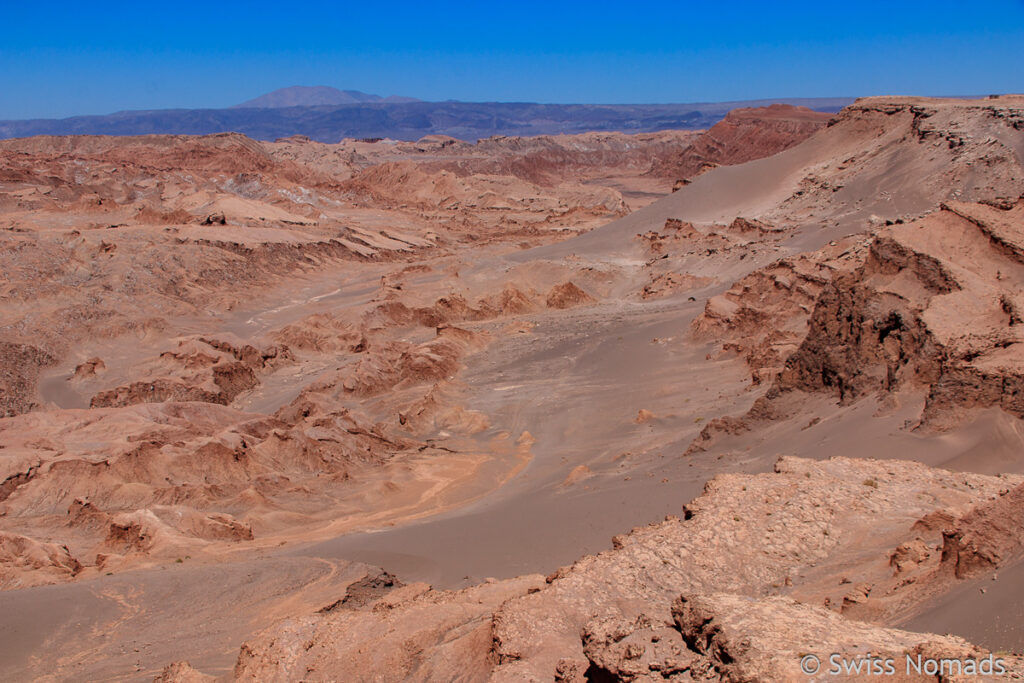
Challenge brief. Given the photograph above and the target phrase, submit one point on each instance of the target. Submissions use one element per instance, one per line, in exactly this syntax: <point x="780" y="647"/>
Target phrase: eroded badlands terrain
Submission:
<point x="388" y="410"/>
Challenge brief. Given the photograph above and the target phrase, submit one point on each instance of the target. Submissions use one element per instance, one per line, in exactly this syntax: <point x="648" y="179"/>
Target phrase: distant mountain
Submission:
<point x="404" y="120"/>
<point x="315" y="95"/>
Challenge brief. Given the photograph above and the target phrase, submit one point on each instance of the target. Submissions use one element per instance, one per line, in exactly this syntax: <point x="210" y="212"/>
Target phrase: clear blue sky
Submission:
<point x="59" y="59"/>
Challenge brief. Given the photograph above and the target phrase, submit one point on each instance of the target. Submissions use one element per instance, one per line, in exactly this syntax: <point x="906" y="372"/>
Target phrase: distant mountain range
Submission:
<point x="327" y="115"/>
<point x="313" y="96"/>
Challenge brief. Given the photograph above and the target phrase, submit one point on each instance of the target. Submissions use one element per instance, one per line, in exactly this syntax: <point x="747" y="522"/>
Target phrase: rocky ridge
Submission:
<point x="753" y="557"/>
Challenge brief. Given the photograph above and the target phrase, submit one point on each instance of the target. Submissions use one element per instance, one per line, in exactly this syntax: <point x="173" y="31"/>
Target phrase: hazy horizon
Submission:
<point x="66" y="60"/>
<point x="384" y="99"/>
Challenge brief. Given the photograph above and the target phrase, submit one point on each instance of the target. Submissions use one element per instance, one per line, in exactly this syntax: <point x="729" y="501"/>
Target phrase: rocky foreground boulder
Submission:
<point x="817" y="557"/>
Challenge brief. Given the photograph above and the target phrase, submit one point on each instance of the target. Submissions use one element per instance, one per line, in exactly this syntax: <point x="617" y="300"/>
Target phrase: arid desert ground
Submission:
<point x="675" y="406"/>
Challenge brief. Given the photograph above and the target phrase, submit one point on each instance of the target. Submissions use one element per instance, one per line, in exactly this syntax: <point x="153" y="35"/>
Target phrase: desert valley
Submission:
<point x="677" y="405"/>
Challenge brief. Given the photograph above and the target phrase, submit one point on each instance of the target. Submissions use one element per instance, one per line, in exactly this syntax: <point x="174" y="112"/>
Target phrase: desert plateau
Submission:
<point x="734" y="395"/>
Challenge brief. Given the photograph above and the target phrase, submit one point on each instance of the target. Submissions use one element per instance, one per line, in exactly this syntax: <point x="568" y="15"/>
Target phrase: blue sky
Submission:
<point x="59" y="59"/>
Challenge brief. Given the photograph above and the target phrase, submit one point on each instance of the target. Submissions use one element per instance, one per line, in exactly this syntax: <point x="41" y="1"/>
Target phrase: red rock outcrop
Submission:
<point x="934" y="307"/>
<point x="411" y="633"/>
<point x="19" y="369"/>
<point x="987" y="537"/>
<point x="568" y="295"/>
<point x="764" y="316"/>
<point x="744" y="135"/>
<point x="205" y="370"/>
<point x="26" y="562"/>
